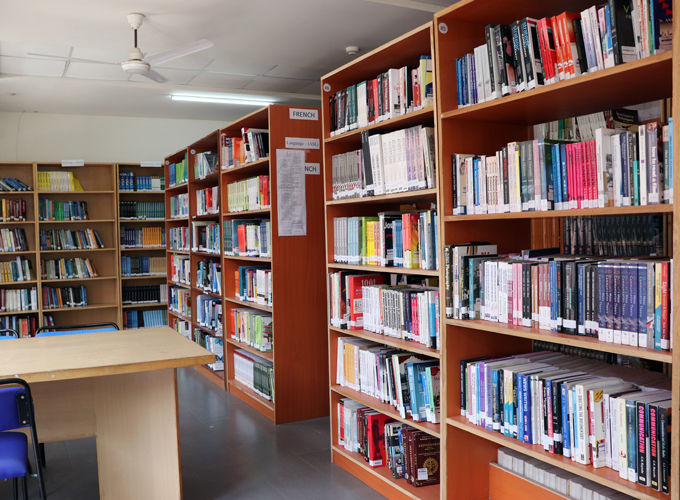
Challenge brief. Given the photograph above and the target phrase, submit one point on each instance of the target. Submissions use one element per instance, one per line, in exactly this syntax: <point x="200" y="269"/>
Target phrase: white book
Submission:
<point x="588" y="42"/>
<point x="480" y="56"/>
<point x="595" y="33"/>
<point x="486" y="74"/>
<point x="616" y="166"/>
<point x="603" y="147"/>
<point x="377" y="163"/>
<point x="394" y="94"/>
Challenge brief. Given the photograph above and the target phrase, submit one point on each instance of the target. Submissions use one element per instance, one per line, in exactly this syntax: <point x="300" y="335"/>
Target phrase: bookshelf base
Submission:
<point x="246" y="395"/>
<point x="506" y="485"/>
<point x="216" y="378"/>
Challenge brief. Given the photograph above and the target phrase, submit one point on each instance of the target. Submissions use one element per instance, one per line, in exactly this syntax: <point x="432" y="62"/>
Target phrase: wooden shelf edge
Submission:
<point x="405" y="196"/>
<point x="252" y="350"/>
<point x="521" y="485"/>
<point x="646" y="209"/>
<point x="391" y="341"/>
<point x="259" y="211"/>
<point x="240" y="257"/>
<point x="251" y="397"/>
<point x="211" y="375"/>
<point x="563" y="338"/>
<point x="249" y="304"/>
<point x="245" y="166"/>
<point x="66" y="280"/>
<point x="93" y="306"/>
<point x="391" y="123"/>
<point x="381" y="269"/>
<point x="143" y="306"/>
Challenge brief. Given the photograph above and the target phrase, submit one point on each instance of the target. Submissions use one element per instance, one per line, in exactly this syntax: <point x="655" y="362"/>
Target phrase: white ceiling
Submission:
<point x="264" y="49"/>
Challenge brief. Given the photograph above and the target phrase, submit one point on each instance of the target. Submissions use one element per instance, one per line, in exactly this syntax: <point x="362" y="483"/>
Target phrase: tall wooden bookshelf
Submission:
<point x="144" y="196"/>
<point x="403" y="51"/>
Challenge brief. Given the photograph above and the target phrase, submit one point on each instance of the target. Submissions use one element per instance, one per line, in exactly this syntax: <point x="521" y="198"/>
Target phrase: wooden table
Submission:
<point x="118" y="386"/>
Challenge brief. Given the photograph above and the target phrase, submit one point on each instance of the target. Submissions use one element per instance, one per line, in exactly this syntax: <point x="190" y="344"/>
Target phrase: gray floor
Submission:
<point x="229" y="451"/>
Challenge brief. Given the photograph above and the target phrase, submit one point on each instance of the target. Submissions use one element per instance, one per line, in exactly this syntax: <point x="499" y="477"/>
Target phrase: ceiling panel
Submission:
<point x="239" y="67"/>
<point x="313" y="89"/>
<point x="96" y="71"/>
<point x="222" y="80"/>
<point x="191" y="62"/>
<point x="114" y="56"/>
<point x="33" y="67"/>
<point x="296" y="72"/>
<point x="269" y="84"/>
<point x="177" y="76"/>
<point x="22" y="49"/>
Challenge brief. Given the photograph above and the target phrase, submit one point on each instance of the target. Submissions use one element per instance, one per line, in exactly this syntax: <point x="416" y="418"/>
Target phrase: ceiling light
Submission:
<point x="219" y="100"/>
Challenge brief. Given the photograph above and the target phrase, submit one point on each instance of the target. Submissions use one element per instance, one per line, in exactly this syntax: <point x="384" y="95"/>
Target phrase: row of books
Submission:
<point x="209" y="276"/>
<point x="9" y="184"/>
<point x="591" y="412"/>
<point x="555" y="478"/>
<point x="606" y="357"/>
<point x="410" y="454"/>
<point x="18" y="300"/>
<point x="58" y="181"/>
<point x="67" y="269"/>
<point x="145" y="294"/>
<point x="13" y="210"/>
<point x="180" y="302"/>
<point x="64" y="297"/>
<point x="178" y="173"/>
<point x="252" y="327"/>
<point x="129" y="182"/>
<point x="247" y="237"/>
<point x="248" y="194"/>
<point x="181" y="326"/>
<point x="614" y="236"/>
<point x="139" y="265"/>
<point x="133" y="319"/>
<point x="392" y="239"/>
<point x="178" y="239"/>
<point x="19" y="269"/>
<point x="582" y="128"/>
<point x="13" y="240"/>
<point x="179" y="206"/>
<point x="393" y="93"/>
<point x="530" y="53"/>
<point x="25" y="326"/>
<point x="408" y="382"/>
<point x="254" y="284"/>
<point x="214" y="344"/>
<point x="134" y="210"/>
<point x="144" y="237"/>
<point x="394" y="162"/>
<point x="204" y="164"/>
<point x="206" y="237"/>
<point x="180" y="269"/>
<point x="255" y="373"/>
<point x="63" y="239"/>
<point x="208" y="201"/>
<point x="209" y="312"/>
<point x="253" y="145"/>
<point x="49" y="210"/>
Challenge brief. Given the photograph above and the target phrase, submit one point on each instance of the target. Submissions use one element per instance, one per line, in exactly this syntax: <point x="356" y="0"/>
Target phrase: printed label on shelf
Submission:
<point x="312" y="169"/>
<point x="302" y="143"/>
<point x="151" y="164"/>
<point x="304" y="114"/>
<point x="72" y="163"/>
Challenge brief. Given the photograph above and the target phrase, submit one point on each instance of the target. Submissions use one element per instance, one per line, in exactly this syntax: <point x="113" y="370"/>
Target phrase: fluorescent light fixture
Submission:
<point x="219" y="100"/>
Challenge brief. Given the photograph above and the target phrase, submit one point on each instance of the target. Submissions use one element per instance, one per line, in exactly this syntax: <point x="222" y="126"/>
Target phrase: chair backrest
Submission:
<point x="8" y="333"/>
<point x="9" y="409"/>
<point x="43" y="331"/>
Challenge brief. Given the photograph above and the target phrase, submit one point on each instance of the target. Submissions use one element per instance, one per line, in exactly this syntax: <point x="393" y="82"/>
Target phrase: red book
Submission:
<point x="233" y="324"/>
<point x="566" y="21"/>
<point x="242" y="239"/>
<point x="369" y="97"/>
<point x="665" y="334"/>
<point x="593" y="174"/>
<point x="547" y="46"/>
<point x="356" y="311"/>
<point x="579" y="173"/>
<point x="570" y="176"/>
<point x="416" y="88"/>
<point x="376" y="102"/>
<point x="375" y="431"/>
<point x="341" y="422"/>
<point x="558" y="49"/>
<point x="265" y="189"/>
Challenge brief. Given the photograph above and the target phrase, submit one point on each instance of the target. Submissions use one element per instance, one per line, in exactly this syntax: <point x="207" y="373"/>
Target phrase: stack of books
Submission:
<point x="252" y="327"/>
<point x="248" y="194"/>
<point x="247" y="237"/>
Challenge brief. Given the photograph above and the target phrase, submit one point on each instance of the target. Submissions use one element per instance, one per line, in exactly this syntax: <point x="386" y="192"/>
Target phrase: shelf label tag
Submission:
<point x="312" y="169"/>
<point x="304" y="114"/>
<point x="72" y="163"/>
<point x="151" y="164"/>
<point x="302" y="143"/>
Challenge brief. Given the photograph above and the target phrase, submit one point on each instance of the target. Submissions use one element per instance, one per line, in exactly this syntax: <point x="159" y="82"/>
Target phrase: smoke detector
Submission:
<point x="351" y="50"/>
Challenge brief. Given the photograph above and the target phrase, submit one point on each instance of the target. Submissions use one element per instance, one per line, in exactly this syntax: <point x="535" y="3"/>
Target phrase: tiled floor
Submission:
<point x="229" y="451"/>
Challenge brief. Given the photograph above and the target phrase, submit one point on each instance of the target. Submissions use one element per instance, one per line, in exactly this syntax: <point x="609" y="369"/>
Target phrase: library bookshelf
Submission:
<point x="98" y="181"/>
<point x="403" y="51"/>
<point x="139" y="195"/>
<point x="485" y="128"/>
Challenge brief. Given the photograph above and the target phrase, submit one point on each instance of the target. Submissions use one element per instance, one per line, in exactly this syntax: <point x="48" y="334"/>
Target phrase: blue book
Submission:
<point x="625" y="180"/>
<point x="459" y="81"/>
<point x="633" y="303"/>
<point x="631" y="437"/>
<point x="526" y="409"/>
<point x="563" y="174"/>
<point x="425" y="393"/>
<point x="642" y="305"/>
<point x="580" y="271"/>
<point x="475" y="162"/>
<point x="557" y="177"/>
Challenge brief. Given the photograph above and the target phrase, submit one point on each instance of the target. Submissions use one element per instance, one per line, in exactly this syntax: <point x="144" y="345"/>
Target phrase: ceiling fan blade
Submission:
<point x="178" y="52"/>
<point x="73" y="59"/>
<point x="156" y="77"/>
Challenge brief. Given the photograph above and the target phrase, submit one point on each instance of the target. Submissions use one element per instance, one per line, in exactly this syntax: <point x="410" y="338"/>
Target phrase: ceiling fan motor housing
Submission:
<point x="136" y="64"/>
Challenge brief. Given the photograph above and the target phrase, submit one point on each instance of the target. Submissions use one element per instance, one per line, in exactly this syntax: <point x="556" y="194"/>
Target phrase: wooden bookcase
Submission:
<point x="144" y="196"/>
<point x="405" y="50"/>
<point x="99" y="191"/>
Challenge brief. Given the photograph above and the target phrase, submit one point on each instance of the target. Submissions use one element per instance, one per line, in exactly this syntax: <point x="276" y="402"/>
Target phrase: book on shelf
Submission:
<point x="254" y="284"/>
<point x="391" y="239"/>
<point x="64" y="297"/>
<point x="63" y="239"/>
<point x="9" y="184"/>
<point x="145" y="294"/>
<point x="252" y="327"/>
<point x="58" y="181"/>
<point x="13" y="210"/>
<point x="145" y="237"/>
<point x="154" y="210"/>
<point x="204" y="164"/>
<point x="248" y="194"/>
<point x="247" y="237"/>
<point x="182" y="327"/>
<point x="209" y="312"/>
<point x="62" y="269"/>
<point x="583" y="128"/>
<point x="179" y="206"/>
<point x="178" y="239"/>
<point x="205" y="237"/>
<point x="590" y="412"/>
<point x="13" y="240"/>
<point x="180" y="301"/>
<point x="133" y="319"/>
<point x="255" y="143"/>
<point x="180" y="269"/>
<point x="25" y="326"/>
<point x="209" y="276"/>
<point x="17" y="270"/>
<point x="137" y="266"/>
<point x="614" y="236"/>
<point x="394" y="162"/>
<point x="254" y="372"/>
<point x="208" y="201"/>
<point x="129" y="182"/>
<point x="19" y="300"/>
<point x="214" y="344"/>
<point x="396" y="92"/>
<point x="178" y="173"/>
<point x="51" y="210"/>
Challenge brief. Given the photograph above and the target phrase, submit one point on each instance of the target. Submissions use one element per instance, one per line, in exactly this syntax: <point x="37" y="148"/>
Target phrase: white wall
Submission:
<point x="39" y="137"/>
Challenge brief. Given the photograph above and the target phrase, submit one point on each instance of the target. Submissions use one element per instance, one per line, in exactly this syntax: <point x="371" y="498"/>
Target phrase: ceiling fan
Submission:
<point x="140" y="65"/>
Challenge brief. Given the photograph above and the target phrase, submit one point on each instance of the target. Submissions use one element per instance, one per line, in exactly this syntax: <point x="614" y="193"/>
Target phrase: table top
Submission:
<point x="99" y="354"/>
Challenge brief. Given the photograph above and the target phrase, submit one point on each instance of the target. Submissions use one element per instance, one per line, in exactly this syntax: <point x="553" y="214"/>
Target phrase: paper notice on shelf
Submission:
<point x="290" y="192"/>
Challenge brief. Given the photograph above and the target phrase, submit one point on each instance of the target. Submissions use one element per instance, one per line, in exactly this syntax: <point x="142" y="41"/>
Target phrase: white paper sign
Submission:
<point x="72" y="163"/>
<point x="302" y="143"/>
<point x="291" y="208"/>
<point x="152" y="164"/>
<point x="304" y="114"/>
<point x="312" y="169"/>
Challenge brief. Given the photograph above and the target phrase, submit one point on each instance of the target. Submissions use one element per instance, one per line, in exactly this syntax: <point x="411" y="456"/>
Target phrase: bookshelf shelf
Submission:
<point x="17" y="313"/>
<point x="180" y="252"/>
<point x="88" y="221"/>
<point x="31" y="282"/>
<point x="394" y="342"/>
<point x="216" y="377"/>
<point x="205" y="216"/>
<point x="207" y="329"/>
<point x="66" y="280"/>
<point x="78" y="250"/>
<point x="413" y="197"/>
<point x="179" y="315"/>
<point x="178" y="187"/>
<point x="23" y="252"/>
<point x="205" y="292"/>
<point x="82" y="308"/>
<point x="161" y="277"/>
<point x="381" y="269"/>
<point x="242" y="389"/>
<point x="587" y="212"/>
<point x="205" y="254"/>
<point x="18" y="223"/>
<point x="253" y="259"/>
<point x="247" y="167"/>
<point x="243" y="303"/>
<point x="143" y="306"/>
<point x="146" y="249"/>
<point x="246" y="213"/>
<point x="604" y="475"/>
<point x="76" y="193"/>
<point x="246" y="347"/>
<point x="183" y="285"/>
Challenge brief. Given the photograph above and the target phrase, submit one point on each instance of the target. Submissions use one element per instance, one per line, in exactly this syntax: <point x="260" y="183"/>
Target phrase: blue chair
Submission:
<point x="55" y="331"/>
<point x="16" y="412"/>
<point x="8" y="333"/>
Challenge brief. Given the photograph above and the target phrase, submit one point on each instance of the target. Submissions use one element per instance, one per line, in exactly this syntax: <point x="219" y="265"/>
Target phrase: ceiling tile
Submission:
<point x="176" y="76"/>
<point x="190" y="62"/>
<point x="238" y="67"/>
<point x="22" y="49"/>
<point x="32" y="67"/>
<point x="314" y="89"/>
<point x="117" y="56"/>
<point x="294" y="72"/>
<point x="95" y="71"/>
<point x="269" y="84"/>
<point x="221" y="80"/>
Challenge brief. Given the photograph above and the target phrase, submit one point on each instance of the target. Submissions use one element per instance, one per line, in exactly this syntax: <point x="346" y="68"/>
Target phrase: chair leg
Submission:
<point x="24" y="487"/>
<point x="15" y="484"/>
<point x="43" y="457"/>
